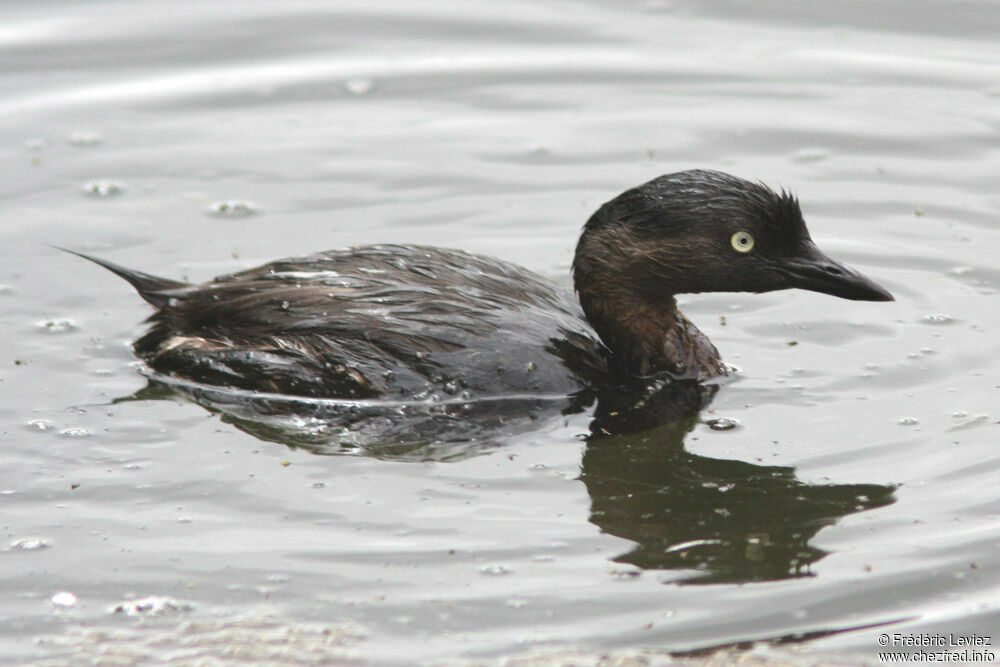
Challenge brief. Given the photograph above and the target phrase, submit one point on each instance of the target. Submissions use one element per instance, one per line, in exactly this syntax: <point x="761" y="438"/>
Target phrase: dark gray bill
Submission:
<point x="816" y="272"/>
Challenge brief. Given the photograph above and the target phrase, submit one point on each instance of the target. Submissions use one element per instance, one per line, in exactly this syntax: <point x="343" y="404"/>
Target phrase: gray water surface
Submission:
<point x="856" y="495"/>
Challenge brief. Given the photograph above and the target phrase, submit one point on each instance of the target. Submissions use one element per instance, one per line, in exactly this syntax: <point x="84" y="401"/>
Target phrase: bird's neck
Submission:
<point x="647" y="338"/>
<point x="628" y="299"/>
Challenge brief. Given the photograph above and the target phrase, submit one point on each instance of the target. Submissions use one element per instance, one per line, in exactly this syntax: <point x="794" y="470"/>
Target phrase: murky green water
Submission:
<point x="858" y="489"/>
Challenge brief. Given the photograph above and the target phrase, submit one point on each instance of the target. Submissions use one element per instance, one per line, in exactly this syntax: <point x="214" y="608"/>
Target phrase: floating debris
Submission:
<point x="57" y="326"/>
<point x="233" y="208"/>
<point x="811" y="155"/>
<point x="722" y="424"/>
<point x="103" y="189"/>
<point x="625" y="574"/>
<point x="154" y="605"/>
<point x="359" y="87"/>
<point x="85" y="139"/>
<point x="29" y="544"/>
<point x="63" y="599"/>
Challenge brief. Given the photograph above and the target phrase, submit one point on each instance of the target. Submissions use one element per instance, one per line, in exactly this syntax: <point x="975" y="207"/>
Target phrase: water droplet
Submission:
<point x="63" y="599"/>
<point x="85" y="139"/>
<point x="233" y="208"/>
<point x="29" y="544"/>
<point x="359" y="86"/>
<point x="939" y="318"/>
<point x="908" y="421"/>
<point x="103" y="189"/>
<point x="57" y="326"/>
<point x="722" y="424"/>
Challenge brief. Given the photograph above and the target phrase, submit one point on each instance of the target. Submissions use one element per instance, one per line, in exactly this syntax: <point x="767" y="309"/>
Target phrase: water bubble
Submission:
<point x="63" y="599"/>
<point x="36" y="143"/>
<point x="41" y="425"/>
<point x="103" y="189"/>
<point x="938" y="318"/>
<point x="74" y="433"/>
<point x="359" y="87"/>
<point x="496" y="570"/>
<point x="85" y="139"/>
<point x="722" y="424"/>
<point x="57" y="326"/>
<point x="908" y="421"/>
<point x="233" y="208"/>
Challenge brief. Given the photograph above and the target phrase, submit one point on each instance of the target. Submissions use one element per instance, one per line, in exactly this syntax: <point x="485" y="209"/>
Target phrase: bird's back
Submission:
<point x="385" y="321"/>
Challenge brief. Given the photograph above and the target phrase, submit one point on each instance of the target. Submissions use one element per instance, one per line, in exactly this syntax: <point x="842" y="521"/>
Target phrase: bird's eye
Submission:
<point x="742" y="241"/>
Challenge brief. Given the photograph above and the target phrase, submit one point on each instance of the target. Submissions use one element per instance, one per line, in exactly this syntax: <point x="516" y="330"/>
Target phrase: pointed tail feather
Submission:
<point x="150" y="288"/>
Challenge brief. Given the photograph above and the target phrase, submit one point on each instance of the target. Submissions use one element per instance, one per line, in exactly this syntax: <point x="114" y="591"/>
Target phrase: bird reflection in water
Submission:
<point x="725" y="521"/>
<point x="717" y="520"/>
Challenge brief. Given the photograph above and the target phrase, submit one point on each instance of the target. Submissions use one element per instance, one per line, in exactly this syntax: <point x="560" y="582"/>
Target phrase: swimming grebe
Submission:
<point x="393" y="321"/>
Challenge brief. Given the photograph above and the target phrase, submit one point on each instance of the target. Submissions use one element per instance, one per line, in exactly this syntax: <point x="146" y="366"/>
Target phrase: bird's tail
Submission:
<point x="151" y="288"/>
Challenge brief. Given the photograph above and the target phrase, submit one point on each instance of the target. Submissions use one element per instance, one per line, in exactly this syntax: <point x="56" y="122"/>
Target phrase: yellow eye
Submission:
<point x="742" y="241"/>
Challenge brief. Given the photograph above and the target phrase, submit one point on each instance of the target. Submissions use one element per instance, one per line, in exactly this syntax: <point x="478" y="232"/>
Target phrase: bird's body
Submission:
<point x="394" y="321"/>
<point x="376" y="321"/>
